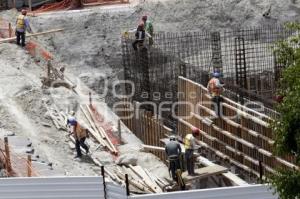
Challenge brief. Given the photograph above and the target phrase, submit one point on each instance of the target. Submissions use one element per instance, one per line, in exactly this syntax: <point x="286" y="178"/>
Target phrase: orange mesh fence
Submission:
<point x="107" y="126"/>
<point x="5" y="29"/>
<point x="37" y="51"/>
<point x="103" y="2"/>
<point x="19" y="164"/>
<point x="72" y="4"/>
<point x="62" y="5"/>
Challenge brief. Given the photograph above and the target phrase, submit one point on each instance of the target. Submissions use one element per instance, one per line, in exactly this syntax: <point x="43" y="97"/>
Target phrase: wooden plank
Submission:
<point x="141" y="173"/>
<point x="155" y="148"/>
<point x="230" y="176"/>
<point x="133" y="182"/>
<point x="96" y="136"/>
<point x="204" y="172"/>
<point x="102" y="132"/>
<point x="31" y="35"/>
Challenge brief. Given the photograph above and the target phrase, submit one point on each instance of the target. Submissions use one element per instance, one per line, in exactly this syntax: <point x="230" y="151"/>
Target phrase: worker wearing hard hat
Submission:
<point x="22" y="25"/>
<point x="71" y="122"/>
<point x="140" y="36"/>
<point x="80" y="135"/>
<point x="215" y="89"/>
<point x="190" y="146"/>
<point x="173" y="151"/>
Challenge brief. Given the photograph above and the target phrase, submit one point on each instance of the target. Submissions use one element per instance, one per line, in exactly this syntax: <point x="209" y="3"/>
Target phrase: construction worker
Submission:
<point x="215" y="88"/>
<point x="173" y="151"/>
<point x="149" y="28"/>
<point x="190" y="146"/>
<point x="80" y="136"/>
<point x="22" y="25"/>
<point x="140" y="35"/>
<point x="71" y="121"/>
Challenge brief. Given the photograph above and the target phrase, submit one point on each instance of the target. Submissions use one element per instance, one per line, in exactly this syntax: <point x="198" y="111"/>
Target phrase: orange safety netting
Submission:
<point x="72" y="4"/>
<point x="20" y="166"/>
<point x="103" y="2"/>
<point x="107" y="126"/>
<point x="5" y="29"/>
<point x="62" y="5"/>
<point x="36" y="50"/>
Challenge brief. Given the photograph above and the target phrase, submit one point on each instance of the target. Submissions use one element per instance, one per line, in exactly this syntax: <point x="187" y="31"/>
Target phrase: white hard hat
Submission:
<point x="172" y="138"/>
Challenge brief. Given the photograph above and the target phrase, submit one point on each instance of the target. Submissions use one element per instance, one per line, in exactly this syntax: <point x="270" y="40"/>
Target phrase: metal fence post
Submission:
<point x="127" y="185"/>
<point x="260" y="171"/>
<point x="104" y="183"/>
<point x="9" y="30"/>
<point x="119" y="130"/>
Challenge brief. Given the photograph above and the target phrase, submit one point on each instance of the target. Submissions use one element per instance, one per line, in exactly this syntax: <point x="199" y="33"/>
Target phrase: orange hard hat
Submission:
<point x="24" y="12"/>
<point x="195" y="131"/>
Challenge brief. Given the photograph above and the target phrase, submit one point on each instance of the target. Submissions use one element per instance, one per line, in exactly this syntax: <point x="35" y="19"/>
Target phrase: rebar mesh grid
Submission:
<point x="245" y="58"/>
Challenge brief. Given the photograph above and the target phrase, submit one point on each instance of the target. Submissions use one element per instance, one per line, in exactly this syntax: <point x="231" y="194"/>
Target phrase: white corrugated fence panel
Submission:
<point x="52" y="188"/>
<point x="238" y="192"/>
<point x="115" y="191"/>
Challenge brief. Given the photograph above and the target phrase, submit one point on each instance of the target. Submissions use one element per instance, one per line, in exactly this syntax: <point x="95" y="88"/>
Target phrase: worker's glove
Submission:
<point x="126" y="34"/>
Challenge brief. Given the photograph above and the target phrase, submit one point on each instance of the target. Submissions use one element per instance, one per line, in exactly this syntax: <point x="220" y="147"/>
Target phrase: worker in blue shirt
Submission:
<point x="22" y="25"/>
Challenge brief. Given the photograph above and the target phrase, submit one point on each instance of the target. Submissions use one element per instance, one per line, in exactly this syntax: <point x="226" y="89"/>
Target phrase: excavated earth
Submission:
<point x="90" y="48"/>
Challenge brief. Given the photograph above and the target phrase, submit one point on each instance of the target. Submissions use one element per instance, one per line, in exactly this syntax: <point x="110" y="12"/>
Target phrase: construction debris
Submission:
<point x="141" y="180"/>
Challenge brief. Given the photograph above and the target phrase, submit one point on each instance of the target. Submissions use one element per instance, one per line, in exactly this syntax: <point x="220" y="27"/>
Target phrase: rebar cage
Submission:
<point x="244" y="57"/>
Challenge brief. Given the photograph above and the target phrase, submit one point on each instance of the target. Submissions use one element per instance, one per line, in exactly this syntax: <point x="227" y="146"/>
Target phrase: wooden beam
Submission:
<point x="155" y="148"/>
<point x="7" y="157"/>
<point x="102" y="132"/>
<point x="31" y="35"/>
<point x="230" y="176"/>
<point x="204" y="172"/>
<point x="29" y="166"/>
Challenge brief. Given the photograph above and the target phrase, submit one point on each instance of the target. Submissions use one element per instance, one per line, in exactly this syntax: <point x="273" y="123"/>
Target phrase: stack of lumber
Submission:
<point x="97" y="131"/>
<point x="141" y="180"/>
<point x="58" y="118"/>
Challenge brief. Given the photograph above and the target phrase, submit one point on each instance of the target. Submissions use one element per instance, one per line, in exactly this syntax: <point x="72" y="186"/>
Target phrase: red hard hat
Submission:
<point x="24" y="12"/>
<point x="195" y="131"/>
<point x="145" y="17"/>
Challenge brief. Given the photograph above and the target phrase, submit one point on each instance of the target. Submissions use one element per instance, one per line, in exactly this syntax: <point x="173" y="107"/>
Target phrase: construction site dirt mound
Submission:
<point x="90" y="47"/>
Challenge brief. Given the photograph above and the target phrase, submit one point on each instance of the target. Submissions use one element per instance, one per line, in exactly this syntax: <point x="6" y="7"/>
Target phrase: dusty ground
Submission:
<point x="90" y="46"/>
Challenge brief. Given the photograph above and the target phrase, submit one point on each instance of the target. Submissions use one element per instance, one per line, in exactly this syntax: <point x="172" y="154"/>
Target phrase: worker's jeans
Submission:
<point x="217" y="104"/>
<point x="174" y="165"/>
<point x="189" y="158"/>
<point x="20" y="36"/>
<point x="82" y="144"/>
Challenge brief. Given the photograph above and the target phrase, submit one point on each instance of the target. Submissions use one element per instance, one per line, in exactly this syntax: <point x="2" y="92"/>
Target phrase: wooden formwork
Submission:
<point x="242" y="136"/>
<point x="147" y="127"/>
